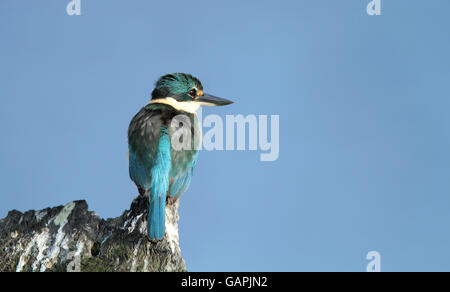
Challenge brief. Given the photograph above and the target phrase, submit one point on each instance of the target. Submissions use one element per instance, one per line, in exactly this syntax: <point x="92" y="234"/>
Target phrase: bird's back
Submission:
<point x="143" y="140"/>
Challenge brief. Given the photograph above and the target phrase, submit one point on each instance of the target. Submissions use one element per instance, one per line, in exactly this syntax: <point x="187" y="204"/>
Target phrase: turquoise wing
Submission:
<point x="182" y="180"/>
<point x="143" y="139"/>
<point x="150" y="164"/>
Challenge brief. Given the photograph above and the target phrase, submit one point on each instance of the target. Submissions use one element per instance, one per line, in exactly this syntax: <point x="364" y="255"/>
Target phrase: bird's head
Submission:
<point x="184" y="92"/>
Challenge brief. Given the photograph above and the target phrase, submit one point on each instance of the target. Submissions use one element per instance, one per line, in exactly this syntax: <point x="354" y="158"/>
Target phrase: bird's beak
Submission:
<point x="211" y="100"/>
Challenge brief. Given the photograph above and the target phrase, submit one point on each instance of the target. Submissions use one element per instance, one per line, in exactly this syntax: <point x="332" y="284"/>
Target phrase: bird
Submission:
<point x="161" y="171"/>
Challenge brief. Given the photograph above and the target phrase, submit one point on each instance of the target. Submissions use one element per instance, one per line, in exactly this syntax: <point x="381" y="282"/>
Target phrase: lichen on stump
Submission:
<point x="55" y="239"/>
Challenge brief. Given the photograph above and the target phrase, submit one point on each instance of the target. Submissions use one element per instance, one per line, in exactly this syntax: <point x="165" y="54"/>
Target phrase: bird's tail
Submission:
<point x="157" y="217"/>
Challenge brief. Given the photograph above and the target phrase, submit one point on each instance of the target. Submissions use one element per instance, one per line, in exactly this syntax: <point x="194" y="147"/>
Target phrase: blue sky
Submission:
<point x="364" y="124"/>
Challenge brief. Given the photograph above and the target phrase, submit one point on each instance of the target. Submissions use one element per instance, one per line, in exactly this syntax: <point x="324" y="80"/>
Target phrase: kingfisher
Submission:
<point x="161" y="171"/>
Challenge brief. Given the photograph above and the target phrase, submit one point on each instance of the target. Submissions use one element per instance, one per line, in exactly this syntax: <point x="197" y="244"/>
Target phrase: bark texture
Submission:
<point x="72" y="238"/>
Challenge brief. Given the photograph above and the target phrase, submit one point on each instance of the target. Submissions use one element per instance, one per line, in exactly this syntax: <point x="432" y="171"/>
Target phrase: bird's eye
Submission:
<point x="193" y="92"/>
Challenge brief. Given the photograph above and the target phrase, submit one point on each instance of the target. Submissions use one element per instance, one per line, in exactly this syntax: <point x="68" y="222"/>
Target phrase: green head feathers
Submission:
<point x="180" y="86"/>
